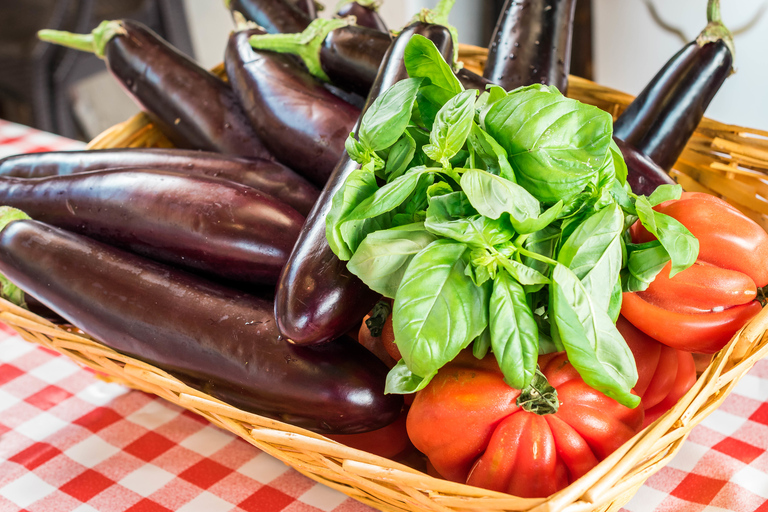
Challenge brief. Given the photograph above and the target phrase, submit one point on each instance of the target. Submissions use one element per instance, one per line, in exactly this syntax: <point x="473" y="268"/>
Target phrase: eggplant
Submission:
<point x="265" y="175"/>
<point x="317" y="298"/>
<point x="274" y="16"/>
<point x="304" y="125"/>
<point x="334" y="51"/>
<point x="203" y="224"/>
<point x="366" y="13"/>
<point x="531" y="44"/>
<point x="643" y="175"/>
<point x="216" y="339"/>
<point x="308" y="7"/>
<point x="665" y="114"/>
<point x="191" y="106"/>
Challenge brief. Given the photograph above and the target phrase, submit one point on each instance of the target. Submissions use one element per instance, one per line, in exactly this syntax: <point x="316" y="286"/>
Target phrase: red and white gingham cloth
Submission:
<point x="70" y="442"/>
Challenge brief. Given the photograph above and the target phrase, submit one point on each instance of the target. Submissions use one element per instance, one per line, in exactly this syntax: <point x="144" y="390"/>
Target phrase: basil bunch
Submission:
<point x="500" y="220"/>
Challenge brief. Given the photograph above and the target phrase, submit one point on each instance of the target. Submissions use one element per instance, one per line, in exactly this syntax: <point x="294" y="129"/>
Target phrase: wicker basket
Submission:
<point x="724" y="160"/>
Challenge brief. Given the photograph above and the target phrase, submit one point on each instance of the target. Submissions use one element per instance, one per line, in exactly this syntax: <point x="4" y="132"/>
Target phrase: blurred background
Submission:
<point x="619" y="43"/>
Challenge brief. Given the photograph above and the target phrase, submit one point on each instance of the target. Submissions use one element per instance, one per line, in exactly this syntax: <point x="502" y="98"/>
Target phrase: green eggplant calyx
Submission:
<point x="95" y="42"/>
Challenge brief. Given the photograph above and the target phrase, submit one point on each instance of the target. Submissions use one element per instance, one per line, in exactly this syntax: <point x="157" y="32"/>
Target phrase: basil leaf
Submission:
<point x="493" y="195"/>
<point x="620" y="170"/>
<point x="681" y="245"/>
<point x="360" y="184"/>
<point x="400" y="156"/>
<point x="355" y="150"/>
<point x="401" y="381"/>
<point x="438" y="310"/>
<point x="593" y="253"/>
<point x="354" y="232"/>
<point x="593" y="344"/>
<point x="390" y="196"/>
<point x="493" y="156"/>
<point x="451" y="128"/>
<point x="423" y="60"/>
<point x="522" y="273"/>
<point x="644" y="263"/>
<point x="482" y="344"/>
<point x="450" y="216"/>
<point x="388" y="116"/>
<point x="614" y="304"/>
<point x="555" y="144"/>
<point x="541" y="242"/>
<point x="514" y="335"/>
<point x="531" y="225"/>
<point x="491" y="95"/>
<point x="665" y="193"/>
<point x="383" y="256"/>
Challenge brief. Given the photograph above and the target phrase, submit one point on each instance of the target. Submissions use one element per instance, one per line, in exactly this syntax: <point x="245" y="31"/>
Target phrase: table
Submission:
<point x="71" y="442"/>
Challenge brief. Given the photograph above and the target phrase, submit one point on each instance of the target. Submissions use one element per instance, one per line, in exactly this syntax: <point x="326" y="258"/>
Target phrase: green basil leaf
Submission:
<point x="532" y="224"/>
<point x="491" y="95"/>
<point x="665" y="193"/>
<point x="490" y="152"/>
<point x="541" y="242"/>
<point x="614" y="305"/>
<point x="514" y="335"/>
<point x="450" y="216"/>
<point x="354" y="232"/>
<point x="556" y="145"/>
<point x="644" y="262"/>
<point x="593" y="253"/>
<point x="388" y="116"/>
<point x="423" y="60"/>
<point x="400" y="156"/>
<point x="620" y="170"/>
<point x="383" y="256"/>
<point x="482" y="344"/>
<point x="390" y="196"/>
<point x="682" y="246"/>
<point x="493" y="195"/>
<point x="355" y="150"/>
<point x="360" y="184"/>
<point x="438" y="310"/>
<point x="593" y="344"/>
<point x="522" y="273"/>
<point x="451" y="128"/>
<point x="401" y="381"/>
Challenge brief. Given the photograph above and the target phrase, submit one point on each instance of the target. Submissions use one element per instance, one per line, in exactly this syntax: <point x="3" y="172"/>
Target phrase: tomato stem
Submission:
<point x="379" y="314"/>
<point x="539" y="397"/>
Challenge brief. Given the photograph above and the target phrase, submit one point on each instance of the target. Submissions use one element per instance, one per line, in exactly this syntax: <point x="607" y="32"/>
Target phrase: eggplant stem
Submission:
<point x="306" y="45"/>
<point x="715" y="29"/>
<point x="8" y="290"/>
<point x="95" y="42"/>
<point x="242" y="23"/>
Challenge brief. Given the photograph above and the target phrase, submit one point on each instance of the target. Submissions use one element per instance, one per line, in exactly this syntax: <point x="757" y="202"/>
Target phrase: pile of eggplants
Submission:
<point x="211" y="261"/>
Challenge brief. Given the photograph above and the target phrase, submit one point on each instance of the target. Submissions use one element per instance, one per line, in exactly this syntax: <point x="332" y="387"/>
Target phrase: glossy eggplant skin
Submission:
<point x="471" y="80"/>
<point x="215" y="338"/>
<point x="192" y="107"/>
<point x="303" y="124"/>
<point x="531" y="44"/>
<point x="643" y="175"/>
<point x="308" y="7"/>
<point x="317" y="298"/>
<point x="274" y="16"/>
<point x="365" y="16"/>
<point x="267" y="176"/>
<point x="203" y="224"/>
<point x="665" y="114"/>
<point x="351" y="56"/>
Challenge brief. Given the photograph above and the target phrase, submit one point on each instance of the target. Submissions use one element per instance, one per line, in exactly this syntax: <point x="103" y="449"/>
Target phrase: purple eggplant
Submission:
<point x="191" y="106"/>
<point x="317" y="298"/>
<point x="214" y="338"/>
<point x="274" y="16"/>
<point x="303" y="124"/>
<point x="203" y="224"/>
<point x="308" y="7"/>
<point x="531" y="44"/>
<point x="366" y="13"/>
<point x="271" y="177"/>
<point x="643" y="175"/>
<point x="350" y="56"/>
<point x="663" y="117"/>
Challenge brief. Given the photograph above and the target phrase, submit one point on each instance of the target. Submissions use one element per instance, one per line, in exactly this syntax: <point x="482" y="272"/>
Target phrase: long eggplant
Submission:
<point x="271" y="177"/>
<point x="303" y="124"/>
<point x="274" y="16"/>
<point x="308" y="7"/>
<point x="531" y="44"/>
<point x="317" y="298"/>
<point x="203" y="224"/>
<point x="663" y="117"/>
<point x="366" y="13"/>
<point x="214" y="338"/>
<point x="192" y="107"/>
<point x="643" y="175"/>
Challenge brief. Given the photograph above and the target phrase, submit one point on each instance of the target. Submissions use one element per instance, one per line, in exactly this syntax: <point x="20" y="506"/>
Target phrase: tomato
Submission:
<point x="375" y="344"/>
<point x="664" y="373"/>
<point x="702" y="307"/>
<point x="468" y="423"/>
<point x="387" y="442"/>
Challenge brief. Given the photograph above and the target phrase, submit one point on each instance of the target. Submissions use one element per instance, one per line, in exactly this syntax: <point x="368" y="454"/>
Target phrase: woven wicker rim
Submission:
<point x="724" y="160"/>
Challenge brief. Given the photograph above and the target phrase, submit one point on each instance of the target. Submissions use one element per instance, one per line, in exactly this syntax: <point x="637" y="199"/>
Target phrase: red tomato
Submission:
<point x="467" y="422"/>
<point x="664" y="373"/>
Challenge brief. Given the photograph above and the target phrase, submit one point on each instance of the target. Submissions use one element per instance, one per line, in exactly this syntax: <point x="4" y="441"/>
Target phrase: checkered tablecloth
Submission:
<point x="70" y="442"/>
